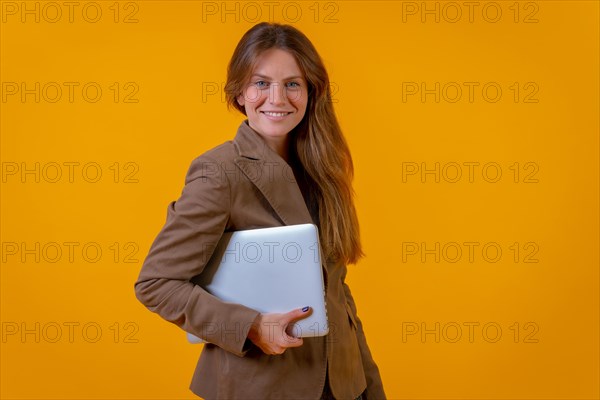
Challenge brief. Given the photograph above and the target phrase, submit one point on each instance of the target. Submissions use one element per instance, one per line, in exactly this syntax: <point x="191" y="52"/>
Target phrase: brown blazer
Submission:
<point x="243" y="184"/>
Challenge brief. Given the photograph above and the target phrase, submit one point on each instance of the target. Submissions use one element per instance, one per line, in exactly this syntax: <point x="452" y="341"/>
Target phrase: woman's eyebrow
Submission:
<point x="285" y="79"/>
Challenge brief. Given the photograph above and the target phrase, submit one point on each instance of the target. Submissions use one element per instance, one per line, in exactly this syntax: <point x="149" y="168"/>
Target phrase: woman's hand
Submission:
<point x="270" y="331"/>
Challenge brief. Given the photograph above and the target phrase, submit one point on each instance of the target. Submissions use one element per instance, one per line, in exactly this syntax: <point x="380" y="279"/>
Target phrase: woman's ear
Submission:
<point x="240" y="99"/>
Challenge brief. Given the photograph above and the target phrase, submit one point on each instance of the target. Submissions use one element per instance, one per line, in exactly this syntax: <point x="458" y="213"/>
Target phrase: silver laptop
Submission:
<point x="270" y="270"/>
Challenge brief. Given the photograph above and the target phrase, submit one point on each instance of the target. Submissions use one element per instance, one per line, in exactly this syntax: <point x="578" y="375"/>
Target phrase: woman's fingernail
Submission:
<point x="305" y="309"/>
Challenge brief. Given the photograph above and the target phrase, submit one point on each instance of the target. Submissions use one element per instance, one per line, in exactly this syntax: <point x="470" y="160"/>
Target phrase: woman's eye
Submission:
<point x="293" y="85"/>
<point x="261" y="84"/>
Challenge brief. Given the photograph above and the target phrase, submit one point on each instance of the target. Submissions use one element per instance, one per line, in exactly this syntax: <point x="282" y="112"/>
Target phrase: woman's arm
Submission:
<point x="194" y="226"/>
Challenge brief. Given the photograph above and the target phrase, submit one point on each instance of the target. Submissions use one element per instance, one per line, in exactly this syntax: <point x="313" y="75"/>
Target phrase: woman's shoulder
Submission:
<point x="223" y="152"/>
<point x="213" y="161"/>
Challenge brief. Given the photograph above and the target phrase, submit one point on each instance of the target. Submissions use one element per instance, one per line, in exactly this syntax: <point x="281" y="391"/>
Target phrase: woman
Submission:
<point x="288" y="164"/>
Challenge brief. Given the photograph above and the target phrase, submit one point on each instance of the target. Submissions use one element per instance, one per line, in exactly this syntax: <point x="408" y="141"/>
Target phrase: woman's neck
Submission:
<point x="281" y="146"/>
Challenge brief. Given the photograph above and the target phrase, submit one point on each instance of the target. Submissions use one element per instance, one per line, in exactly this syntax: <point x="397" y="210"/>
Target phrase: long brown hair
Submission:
<point x="317" y="142"/>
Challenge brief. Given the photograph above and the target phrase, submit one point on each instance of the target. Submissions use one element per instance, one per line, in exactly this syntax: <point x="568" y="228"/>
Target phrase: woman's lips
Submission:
<point x="276" y="115"/>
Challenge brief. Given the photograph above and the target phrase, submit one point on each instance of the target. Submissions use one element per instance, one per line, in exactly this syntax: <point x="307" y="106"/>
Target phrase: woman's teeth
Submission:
<point x="274" y="114"/>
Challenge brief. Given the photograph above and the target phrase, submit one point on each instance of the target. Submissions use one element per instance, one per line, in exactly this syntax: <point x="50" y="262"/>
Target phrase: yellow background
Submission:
<point x="172" y="54"/>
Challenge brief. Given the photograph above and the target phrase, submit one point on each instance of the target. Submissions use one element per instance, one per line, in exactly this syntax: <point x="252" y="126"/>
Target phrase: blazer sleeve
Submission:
<point x="374" y="389"/>
<point x="194" y="226"/>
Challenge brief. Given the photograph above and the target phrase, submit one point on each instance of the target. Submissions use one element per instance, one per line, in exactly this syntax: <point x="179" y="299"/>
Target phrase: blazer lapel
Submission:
<point x="271" y="175"/>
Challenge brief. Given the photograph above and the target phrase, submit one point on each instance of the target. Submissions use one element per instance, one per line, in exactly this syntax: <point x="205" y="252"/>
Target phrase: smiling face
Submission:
<point x="275" y="99"/>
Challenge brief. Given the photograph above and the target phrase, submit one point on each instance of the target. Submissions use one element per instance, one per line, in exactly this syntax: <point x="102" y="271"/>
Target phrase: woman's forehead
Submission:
<point x="277" y="63"/>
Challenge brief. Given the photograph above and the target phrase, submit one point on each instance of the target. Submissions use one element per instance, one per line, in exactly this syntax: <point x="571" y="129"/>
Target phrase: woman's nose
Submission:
<point x="277" y="94"/>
